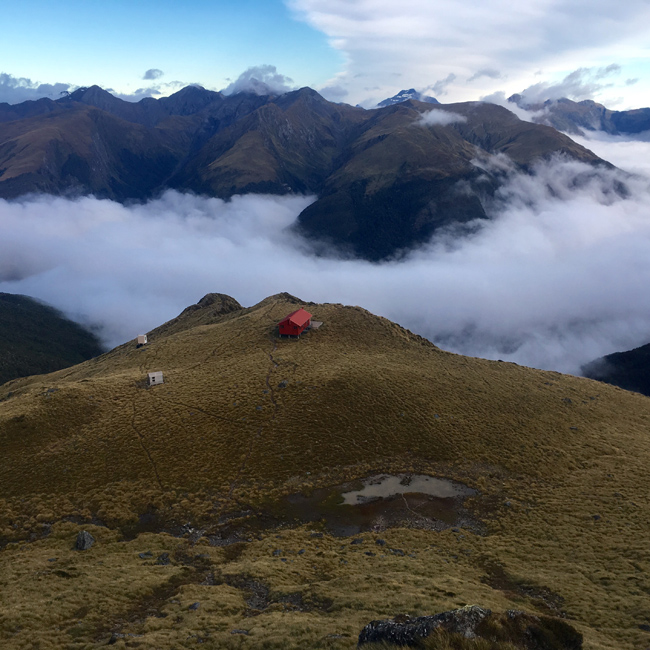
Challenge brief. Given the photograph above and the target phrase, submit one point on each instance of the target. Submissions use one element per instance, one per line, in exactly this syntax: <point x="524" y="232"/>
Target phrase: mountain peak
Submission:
<point x="193" y="90"/>
<point x="90" y="95"/>
<point x="189" y="100"/>
<point x="405" y="95"/>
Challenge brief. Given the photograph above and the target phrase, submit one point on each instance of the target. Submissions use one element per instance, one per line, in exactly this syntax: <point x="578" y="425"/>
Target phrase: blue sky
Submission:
<point x="358" y="51"/>
<point x="112" y="43"/>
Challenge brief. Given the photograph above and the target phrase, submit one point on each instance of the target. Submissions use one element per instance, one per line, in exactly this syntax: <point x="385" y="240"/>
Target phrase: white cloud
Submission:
<point x="583" y="83"/>
<point x="440" y="117"/>
<point x="629" y="152"/>
<point x="333" y="93"/>
<point x="261" y="80"/>
<point x="558" y="277"/>
<point x="157" y="90"/>
<point x="153" y="73"/>
<point x="14" y="90"/>
<point x="440" y="87"/>
<point x="500" y="99"/>
<point x="426" y="41"/>
<point x="486" y="72"/>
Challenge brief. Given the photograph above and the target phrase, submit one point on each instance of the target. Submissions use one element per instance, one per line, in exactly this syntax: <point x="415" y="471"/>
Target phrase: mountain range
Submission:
<point x="577" y="117"/>
<point x="384" y="180"/>
<point x="282" y="493"/>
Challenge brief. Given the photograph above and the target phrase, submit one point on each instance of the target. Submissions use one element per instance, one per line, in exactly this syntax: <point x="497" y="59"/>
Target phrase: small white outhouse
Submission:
<point x="155" y="378"/>
<point x="142" y="339"/>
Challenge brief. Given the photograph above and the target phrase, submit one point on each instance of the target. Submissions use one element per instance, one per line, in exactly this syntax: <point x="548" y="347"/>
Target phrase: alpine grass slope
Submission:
<point x="186" y="488"/>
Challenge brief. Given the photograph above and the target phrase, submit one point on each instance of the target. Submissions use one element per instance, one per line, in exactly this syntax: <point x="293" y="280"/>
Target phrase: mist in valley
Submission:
<point x="557" y="277"/>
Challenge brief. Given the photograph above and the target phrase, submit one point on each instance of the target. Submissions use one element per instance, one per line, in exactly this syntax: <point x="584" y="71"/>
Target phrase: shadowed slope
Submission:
<point x="85" y="151"/>
<point x="629" y="370"/>
<point x="35" y="338"/>
<point x="400" y="180"/>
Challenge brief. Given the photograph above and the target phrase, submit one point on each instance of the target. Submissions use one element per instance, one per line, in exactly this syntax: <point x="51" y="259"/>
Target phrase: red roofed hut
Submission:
<point x="295" y="323"/>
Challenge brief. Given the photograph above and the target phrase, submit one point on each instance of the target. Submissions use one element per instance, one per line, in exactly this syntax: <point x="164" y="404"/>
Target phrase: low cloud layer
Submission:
<point x="156" y="89"/>
<point x="261" y="80"/>
<point x="440" y="117"/>
<point x="558" y="277"/>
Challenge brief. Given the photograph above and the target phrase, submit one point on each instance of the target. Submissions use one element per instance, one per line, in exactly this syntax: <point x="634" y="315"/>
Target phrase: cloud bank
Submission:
<point x="440" y="117"/>
<point x="558" y="277"/>
<point x="583" y="83"/>
<point x="261" y="80"/>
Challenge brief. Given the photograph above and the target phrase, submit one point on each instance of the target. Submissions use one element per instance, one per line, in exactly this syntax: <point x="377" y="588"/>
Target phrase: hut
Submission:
<point x="142" y="339"/>
<point x="155" y="378"/>
<point x="295" y="323"/>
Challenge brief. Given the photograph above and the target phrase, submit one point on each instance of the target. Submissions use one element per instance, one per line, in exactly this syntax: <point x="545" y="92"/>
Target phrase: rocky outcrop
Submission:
<point x="520" y="629"/>
<point x="406" y="631"/>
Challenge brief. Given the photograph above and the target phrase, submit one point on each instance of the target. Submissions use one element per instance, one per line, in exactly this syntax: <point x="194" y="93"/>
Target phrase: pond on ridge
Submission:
<point x="370" y="504"/>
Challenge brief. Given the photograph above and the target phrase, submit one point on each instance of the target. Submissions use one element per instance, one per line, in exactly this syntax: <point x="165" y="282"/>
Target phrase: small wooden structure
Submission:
<point x="295" y="323"/>
<point x="155" y="378"/>
<point x="142" y="339"/>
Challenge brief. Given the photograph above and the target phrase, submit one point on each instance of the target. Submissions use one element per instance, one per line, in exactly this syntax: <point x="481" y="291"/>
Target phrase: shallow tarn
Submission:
<point x="386" y="486"/>
<point x="371" y="504"/>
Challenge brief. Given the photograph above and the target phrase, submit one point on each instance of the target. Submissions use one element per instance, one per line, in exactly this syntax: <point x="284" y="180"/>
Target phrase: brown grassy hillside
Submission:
<point x="559" y="524"/>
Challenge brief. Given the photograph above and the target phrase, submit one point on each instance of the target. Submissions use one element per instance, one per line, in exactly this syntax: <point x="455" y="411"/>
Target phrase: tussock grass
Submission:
<point x="243" y="418"/>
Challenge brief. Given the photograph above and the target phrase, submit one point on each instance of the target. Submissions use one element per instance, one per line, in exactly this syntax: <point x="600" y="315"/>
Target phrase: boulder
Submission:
<point x="84" y="541"/>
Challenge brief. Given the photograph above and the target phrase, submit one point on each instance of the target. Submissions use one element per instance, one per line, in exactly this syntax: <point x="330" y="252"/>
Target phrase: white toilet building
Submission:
<point x="155" y="378"/>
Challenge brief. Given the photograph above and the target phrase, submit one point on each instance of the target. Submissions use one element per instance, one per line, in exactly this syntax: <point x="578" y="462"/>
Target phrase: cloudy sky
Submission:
<point x="358" y="51"/>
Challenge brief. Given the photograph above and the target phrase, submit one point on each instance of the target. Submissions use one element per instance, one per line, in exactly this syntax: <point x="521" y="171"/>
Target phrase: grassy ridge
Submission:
<point x="244" y="417"/>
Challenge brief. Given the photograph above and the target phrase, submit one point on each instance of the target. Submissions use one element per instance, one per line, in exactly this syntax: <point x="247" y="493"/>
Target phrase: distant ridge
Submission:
<point x="577" y="117"/>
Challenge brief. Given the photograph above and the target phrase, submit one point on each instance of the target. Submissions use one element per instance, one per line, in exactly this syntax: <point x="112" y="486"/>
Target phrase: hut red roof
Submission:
<point x="295" y="323"/>
<point x="300" y="318"/>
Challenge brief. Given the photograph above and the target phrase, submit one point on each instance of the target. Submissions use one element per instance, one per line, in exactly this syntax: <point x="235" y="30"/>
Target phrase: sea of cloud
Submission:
<point x="557" y="277"/>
